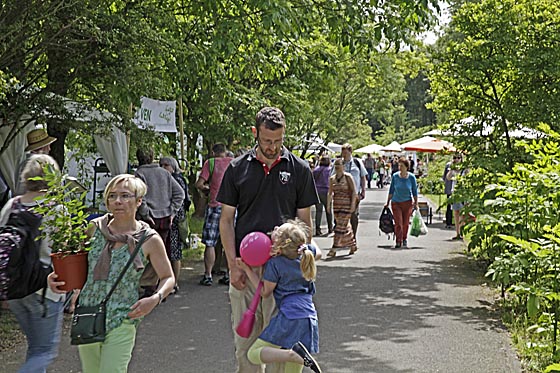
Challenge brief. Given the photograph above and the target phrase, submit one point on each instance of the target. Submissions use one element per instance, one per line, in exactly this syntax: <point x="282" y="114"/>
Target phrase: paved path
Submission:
<point x="422" y="309"/>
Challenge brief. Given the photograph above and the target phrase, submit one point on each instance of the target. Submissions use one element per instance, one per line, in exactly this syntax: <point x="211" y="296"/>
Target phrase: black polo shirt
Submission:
<point x="266" y="198"/>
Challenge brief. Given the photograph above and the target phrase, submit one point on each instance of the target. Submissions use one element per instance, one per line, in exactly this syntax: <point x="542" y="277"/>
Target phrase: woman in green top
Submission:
<point x="114" y="238"/>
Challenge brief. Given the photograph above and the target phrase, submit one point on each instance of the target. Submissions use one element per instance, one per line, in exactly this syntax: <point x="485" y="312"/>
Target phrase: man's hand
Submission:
<point x="237" y="277"/>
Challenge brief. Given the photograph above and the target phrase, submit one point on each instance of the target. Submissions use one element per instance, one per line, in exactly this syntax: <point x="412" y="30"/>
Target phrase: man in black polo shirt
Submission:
<point x="265" y="186"/>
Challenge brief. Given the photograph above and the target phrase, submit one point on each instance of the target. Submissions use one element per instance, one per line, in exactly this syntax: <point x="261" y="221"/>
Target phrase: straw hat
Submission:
<point x="38" y="138"/>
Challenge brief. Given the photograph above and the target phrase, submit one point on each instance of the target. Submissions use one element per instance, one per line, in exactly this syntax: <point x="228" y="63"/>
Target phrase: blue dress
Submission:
<point x="297" y="318"/>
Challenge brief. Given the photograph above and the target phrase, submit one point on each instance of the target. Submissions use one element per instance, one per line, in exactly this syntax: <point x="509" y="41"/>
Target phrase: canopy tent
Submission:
<point x="317" y="144"/>
<point x="393" y="147"/>
<point x="432" y="146"/>
<point x="516" y="131"/>
<point x="371" y="148"/>
<point x="14" y="153"/>
<point x="113" y="148"/>
<point x="417" y="141"/>
<point x="334" y="147"/>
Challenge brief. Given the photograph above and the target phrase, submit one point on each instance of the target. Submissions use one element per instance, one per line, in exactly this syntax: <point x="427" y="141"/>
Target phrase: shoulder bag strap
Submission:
<point x="130" y="260"/>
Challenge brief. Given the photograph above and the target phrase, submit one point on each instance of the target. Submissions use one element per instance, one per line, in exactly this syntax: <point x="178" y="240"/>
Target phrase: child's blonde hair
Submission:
<point x="291" y="238"/>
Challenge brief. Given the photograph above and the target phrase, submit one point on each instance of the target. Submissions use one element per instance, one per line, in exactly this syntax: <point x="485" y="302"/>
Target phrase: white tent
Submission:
<point x="112" y="148"/>
<point x="518" y="132"/>
<point x="393" y="147"/>
<point x="418" y="141"/>
<point x="371" y="148"/>
<point x="334" y="147"/>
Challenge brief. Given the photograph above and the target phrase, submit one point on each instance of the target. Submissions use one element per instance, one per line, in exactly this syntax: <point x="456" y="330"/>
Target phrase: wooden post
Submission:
<point x="181" y="137"/>
<point x="128" y="132"/>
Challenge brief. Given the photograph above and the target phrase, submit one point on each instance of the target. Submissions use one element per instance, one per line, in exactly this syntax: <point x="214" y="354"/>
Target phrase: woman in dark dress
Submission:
<point x="171" y="165"/>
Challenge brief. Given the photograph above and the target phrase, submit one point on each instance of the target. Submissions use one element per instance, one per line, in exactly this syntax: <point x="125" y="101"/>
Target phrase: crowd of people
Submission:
<point x="266" y="189"/>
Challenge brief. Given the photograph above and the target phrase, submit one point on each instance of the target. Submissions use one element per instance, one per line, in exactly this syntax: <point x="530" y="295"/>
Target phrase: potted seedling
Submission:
<point x="64" y="218"/>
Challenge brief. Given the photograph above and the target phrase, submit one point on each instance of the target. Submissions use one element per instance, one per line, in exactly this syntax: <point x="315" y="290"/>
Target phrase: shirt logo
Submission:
<point x="284" y="176"/>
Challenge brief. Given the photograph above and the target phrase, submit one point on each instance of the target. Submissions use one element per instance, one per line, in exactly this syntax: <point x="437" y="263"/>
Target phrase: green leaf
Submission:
<point x="532" y="305"/>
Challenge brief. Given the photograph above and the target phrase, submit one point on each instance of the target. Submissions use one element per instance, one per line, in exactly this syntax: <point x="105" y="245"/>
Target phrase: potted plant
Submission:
<point x="64" y="218"/>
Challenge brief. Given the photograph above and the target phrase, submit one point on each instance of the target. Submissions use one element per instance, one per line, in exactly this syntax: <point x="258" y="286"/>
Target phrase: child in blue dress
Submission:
<point x="293" y="333"/>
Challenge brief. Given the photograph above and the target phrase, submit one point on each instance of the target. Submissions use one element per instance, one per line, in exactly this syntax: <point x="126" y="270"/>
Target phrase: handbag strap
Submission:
<point x="130" y="260"/>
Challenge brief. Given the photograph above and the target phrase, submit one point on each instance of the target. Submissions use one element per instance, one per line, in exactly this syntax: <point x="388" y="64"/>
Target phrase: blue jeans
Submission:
<point x="43" y="333"/>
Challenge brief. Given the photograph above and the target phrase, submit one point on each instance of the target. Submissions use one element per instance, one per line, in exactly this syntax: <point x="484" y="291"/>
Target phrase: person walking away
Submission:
<point x="266" y="185"/>
<point x="160" y="204"/>
<point x="410" y="164"/>
<point x="114" y="237"/>
<point x="210" y="180"/>
<point x="40" y="319"/>
<point x="369" y="164"/>
<point x="342" y="198"/>
<point x="355" y="167"/>
<point x="403" y="196"/>
<point x="293" y="334"/>
<point x="452" y="175"/>
<point x="38" y="142"/>
<point x="321" y="175"/>
<point x="448" y="187"/>
<point x="381" y="172"/>
<point x="394" y="165"/>
<point x="171" y="165"/>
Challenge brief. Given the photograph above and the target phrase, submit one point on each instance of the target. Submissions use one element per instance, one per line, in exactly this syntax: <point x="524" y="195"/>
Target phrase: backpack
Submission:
<point x="21" y="271"/>
<point x="386" y="224"/>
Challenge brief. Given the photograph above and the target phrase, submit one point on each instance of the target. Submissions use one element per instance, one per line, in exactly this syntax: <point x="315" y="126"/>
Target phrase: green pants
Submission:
<point x="254" y="356"/>
<point x="111" y="356"/>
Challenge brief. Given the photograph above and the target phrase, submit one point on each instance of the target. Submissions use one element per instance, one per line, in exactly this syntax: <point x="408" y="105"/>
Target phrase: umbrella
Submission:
<point x="433" y="146"/>
<point x="371" y="148"/>
<point x="393" y="147"/>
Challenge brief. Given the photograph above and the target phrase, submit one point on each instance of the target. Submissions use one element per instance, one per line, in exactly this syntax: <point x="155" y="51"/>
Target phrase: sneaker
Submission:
<point x="308" y="360"/>
<point x="206" y="281"/>
<point x="224" y="280"/>
<point x="398" y="245"/>
<point x="405" y="243"/>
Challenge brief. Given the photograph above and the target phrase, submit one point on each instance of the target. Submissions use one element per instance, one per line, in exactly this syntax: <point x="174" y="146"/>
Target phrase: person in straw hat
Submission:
<point x="38" y="142"/>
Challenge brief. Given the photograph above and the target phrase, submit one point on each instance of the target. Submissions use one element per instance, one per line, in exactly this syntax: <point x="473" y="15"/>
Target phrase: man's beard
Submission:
<point x="268" y="155"/>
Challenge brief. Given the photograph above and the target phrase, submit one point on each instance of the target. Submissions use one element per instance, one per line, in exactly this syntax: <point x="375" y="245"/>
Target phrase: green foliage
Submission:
<point x="64" y="213"/>
<point x="498" y="66"/>
<point x="517" y="231"/>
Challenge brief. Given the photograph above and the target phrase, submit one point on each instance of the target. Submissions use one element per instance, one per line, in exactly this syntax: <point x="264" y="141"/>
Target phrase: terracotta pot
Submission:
<point x="71" y="269"/>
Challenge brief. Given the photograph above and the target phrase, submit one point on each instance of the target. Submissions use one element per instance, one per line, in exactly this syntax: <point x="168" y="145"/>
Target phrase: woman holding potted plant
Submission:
<point x="40" y="319"/>
<point x="114" y="239"/>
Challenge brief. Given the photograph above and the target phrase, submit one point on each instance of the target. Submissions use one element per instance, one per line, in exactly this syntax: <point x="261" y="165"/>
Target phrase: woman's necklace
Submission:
<point x="339" y="179"/>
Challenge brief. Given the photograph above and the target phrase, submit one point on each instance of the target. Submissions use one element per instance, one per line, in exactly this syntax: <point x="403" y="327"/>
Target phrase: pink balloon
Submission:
<point x="255" y="249"/>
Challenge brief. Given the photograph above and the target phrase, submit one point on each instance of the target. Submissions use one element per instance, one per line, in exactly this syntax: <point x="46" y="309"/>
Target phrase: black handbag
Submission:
<point x="88" y="322"/>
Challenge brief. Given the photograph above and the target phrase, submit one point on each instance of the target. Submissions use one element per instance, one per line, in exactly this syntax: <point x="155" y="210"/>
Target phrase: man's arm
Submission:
<point x="237" y="277"/>
<point x="305" y="215"/>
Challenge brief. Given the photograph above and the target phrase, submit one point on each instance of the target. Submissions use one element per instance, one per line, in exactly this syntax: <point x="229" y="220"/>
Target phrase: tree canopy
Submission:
<point x="498" y="63"/>
<point x="226" y="58"/>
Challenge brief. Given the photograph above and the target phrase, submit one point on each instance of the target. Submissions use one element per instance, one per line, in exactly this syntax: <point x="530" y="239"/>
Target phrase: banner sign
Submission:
<point x="156" y="115"/>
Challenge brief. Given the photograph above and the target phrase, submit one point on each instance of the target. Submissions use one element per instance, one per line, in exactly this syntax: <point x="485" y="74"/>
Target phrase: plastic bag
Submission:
<point x="418" y="227"/>
<point x="416" y="224"/>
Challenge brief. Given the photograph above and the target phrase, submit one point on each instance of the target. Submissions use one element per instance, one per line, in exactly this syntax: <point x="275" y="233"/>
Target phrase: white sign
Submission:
<point x="156" y="115"/>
